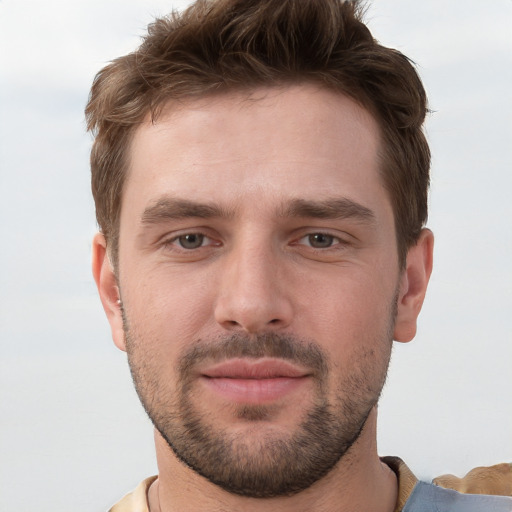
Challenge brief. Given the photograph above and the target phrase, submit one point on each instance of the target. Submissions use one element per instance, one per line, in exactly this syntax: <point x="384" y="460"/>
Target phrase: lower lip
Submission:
<point x="253" y="391"/>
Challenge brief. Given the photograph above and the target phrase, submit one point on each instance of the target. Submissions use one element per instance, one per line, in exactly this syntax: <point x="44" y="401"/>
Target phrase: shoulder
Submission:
<point x="483" y="489"/>
<point x="495" y="479"/>
<point x="432" y="498"/>
<point x="136" y="501"/>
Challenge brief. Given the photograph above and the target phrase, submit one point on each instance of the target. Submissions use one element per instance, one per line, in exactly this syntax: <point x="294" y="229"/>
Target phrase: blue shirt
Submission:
<point x="431" y="498"/>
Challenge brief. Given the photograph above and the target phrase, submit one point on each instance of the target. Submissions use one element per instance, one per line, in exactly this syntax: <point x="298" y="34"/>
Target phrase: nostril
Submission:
<point x="274" y="321"/>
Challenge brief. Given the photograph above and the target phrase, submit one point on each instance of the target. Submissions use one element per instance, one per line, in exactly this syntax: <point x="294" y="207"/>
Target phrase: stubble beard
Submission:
<point x="258" y="461"/>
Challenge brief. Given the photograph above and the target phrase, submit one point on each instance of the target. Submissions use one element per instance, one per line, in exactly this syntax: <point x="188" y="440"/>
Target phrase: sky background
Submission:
<point x="72" y="433"/>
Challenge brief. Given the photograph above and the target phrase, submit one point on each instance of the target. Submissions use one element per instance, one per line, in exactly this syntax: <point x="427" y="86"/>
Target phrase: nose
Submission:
<point x="253" y="295"/>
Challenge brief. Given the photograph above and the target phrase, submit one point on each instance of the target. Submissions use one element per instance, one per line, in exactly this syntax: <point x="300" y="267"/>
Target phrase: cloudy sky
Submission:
<point x="72" y="434"/>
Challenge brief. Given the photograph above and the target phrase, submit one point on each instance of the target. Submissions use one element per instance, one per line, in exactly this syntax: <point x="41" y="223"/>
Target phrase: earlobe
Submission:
<point x="413" y="286"/>
<point x="108" y="289"/>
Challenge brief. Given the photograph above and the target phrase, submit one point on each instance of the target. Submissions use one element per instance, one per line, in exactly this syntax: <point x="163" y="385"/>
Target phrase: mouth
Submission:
<point x="258" y="381"/>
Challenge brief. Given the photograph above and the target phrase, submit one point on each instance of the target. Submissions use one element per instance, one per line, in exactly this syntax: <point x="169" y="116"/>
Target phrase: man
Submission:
<point x="260" y="176"/>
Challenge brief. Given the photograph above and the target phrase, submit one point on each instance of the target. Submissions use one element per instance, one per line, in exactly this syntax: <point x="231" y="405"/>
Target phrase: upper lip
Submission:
<point x="264" y="368"/>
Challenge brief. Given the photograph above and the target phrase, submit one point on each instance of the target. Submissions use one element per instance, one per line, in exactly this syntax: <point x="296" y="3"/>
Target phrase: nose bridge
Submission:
<point x="250" y="293"/>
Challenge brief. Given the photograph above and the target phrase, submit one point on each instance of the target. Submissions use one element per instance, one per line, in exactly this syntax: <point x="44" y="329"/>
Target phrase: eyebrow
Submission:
<point x="335" y="208"/>
<point x="168" y="208"/>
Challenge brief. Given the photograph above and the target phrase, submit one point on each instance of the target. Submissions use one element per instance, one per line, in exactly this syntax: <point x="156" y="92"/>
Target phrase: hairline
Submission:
<point x="165" y="107"/>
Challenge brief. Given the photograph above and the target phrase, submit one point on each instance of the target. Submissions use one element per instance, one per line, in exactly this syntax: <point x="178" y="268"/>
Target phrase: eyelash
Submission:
<point x="334" y="242"/>
<point x="175" y="241"/>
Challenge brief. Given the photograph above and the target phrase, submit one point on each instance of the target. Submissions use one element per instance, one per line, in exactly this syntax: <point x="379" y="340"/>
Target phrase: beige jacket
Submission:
<point x="484" y="480"/>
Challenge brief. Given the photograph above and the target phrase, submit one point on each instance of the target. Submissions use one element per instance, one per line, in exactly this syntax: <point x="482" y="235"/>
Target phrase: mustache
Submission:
<point x="239" y="345"/>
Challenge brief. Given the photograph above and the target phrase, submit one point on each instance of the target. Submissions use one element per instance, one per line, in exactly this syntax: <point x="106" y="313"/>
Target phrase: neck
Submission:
<point x="360" y="481"/>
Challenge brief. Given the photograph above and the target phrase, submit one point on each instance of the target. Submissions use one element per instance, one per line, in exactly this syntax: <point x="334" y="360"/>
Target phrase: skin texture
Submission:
<point x="250" y="225"/>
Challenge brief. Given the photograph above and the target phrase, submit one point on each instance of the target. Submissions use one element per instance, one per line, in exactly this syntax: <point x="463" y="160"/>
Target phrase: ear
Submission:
<point x="108" y="289"/>
<point x="413" y="286"/>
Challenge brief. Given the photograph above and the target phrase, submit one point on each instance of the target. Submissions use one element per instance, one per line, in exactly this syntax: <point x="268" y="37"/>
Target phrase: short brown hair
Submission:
<point x="223" y="45"/>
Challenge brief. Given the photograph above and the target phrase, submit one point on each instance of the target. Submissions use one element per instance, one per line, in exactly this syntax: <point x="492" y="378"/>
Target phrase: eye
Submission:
<point x="320" y="240"/>
<point x="191" y="240"/>
<point x="189" y="246"/>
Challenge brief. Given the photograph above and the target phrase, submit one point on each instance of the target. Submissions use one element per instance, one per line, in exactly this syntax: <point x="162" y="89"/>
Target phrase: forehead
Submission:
<point x="292" y="141"/>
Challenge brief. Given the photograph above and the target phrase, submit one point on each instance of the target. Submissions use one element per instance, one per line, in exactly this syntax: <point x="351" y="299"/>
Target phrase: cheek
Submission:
<point x="352" y="305"/>
<point x="165" y="310"/>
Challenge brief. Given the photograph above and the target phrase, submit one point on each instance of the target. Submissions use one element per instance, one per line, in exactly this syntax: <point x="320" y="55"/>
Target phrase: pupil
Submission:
<point x="191" y="241"/>
<point x="319" y="240"/>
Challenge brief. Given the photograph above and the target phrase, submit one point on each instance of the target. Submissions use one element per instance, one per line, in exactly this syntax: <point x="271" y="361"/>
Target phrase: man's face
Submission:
<point x="259" y="279"/>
